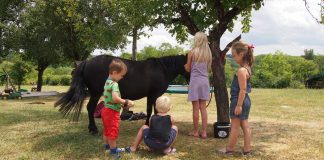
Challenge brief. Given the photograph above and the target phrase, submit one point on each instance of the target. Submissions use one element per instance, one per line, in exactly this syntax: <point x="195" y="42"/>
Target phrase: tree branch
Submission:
<point x="228" y="46"/>
<point x="219" y="29"/>
<point x="161" y="20"/>
<point x="187" y="21"/>
<point x="308" y="9"/>
<point x="219" y="9"/>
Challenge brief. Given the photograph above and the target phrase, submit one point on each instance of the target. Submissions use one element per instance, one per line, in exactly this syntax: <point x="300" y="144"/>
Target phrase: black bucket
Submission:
<point x="221" y="129"/>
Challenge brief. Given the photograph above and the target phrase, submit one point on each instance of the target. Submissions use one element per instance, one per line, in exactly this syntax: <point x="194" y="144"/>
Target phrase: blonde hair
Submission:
<point x="243" y="48"/>
<point x="201" y="52"/>
<point x="117" y="65"/>
<point x="163" y="104"/>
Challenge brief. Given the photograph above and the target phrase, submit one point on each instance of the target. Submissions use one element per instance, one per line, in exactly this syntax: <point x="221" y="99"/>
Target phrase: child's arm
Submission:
<point x="172" y="120"/>
<point x="117" y="99"/>
<point x="242" y="78"/>
<point x="189" y="61"/>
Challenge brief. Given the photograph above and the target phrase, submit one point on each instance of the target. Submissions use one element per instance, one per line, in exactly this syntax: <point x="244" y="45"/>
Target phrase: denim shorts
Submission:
<point x="245" y="108"/>
<point x="157" y="144"/>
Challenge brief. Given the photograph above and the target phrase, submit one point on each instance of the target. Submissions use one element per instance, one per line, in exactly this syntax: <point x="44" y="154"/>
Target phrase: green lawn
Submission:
<point x="286" y="124"/>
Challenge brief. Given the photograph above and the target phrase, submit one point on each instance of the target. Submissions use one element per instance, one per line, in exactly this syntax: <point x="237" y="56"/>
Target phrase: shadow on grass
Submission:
<point x="72" y="141"/>
<point x="27" y="115"/>
<point x="77" y="144"/>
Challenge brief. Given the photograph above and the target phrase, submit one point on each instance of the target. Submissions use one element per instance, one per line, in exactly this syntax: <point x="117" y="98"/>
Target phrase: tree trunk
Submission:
<point x="1" y="46"/>
<point x="134" y="43"/>
<point x="40" y="78"/>
<point x="220" y="90"/>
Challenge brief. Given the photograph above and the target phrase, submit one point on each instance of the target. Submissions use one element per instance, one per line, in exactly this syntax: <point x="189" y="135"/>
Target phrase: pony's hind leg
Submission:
<point x="91" y="106"/>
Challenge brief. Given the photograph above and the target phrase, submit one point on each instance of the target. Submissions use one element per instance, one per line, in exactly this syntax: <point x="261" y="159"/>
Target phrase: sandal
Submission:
<point x="225" y="151"/>
<point x="170" y="151"/>
<point x="129" y="150"/>
<point x="247" y="153"/>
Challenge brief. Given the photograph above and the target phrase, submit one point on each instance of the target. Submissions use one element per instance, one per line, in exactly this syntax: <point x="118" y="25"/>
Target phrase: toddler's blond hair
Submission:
<point x="163" y="104"/>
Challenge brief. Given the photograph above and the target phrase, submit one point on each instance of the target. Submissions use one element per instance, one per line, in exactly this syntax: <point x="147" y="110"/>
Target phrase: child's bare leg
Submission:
<point x="106" y="143"/>
<point x="203" y="111"/>
<point x="195" y="118"/>
<point x="112" y="143"/>
<point x="235" y="128"/>
<point x="247" y="135"/>
<point x="175" y="128"/>
<point x="138" y="138"/>
<point x="171" y="149"/>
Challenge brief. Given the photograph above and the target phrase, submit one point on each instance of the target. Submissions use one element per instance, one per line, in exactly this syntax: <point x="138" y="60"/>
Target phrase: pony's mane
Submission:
<point x="166" y="60"/>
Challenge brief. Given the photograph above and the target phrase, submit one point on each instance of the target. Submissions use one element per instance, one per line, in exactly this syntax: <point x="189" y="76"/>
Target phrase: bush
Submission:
<point x="54" y="80"/>
<point x="180" y="80"/>
<point x="297" y="84"/>
<point x="46" y="80"/>
<point x="65" y="80"/>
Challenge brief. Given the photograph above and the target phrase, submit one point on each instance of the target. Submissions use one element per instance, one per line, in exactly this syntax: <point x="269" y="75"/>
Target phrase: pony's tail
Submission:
<point x="72" y="101"/>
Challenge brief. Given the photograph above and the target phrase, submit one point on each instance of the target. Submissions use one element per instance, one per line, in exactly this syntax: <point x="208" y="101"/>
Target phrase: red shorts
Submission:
<point x="111" y="122"/>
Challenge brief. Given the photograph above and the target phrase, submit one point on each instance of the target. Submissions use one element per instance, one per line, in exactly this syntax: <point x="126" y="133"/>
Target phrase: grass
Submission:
<point x="286" y="124"/>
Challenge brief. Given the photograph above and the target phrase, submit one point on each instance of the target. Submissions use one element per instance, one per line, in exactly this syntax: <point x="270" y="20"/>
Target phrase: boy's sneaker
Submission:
<point x="115" y="155"/>
<point x="118" y="150"/>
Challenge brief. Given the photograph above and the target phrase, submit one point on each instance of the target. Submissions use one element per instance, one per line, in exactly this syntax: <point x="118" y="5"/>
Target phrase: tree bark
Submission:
<point x="220" y="89"/>
<point x="40" y="78"/>
<point x="1" y="45"/>
<point x="134" y="47"/>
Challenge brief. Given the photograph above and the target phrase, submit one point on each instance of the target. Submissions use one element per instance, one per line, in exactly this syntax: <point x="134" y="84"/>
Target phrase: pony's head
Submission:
<point x="174" y="66"/>
<point x="181" y="61"/>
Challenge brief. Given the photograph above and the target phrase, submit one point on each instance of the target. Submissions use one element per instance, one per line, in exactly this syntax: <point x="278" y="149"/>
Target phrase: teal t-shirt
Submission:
<point x="111" y="86"/>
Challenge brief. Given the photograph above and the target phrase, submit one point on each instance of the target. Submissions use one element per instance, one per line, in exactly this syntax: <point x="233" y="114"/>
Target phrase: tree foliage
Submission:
<point x="309" y="54"/>
<point x="282" y="71"/>
<point x="9" y="21"/>
<point x="84" y="25"/>
<point x="19" y="71"/>
<point x="130" y="14"/>
<point x="214" y="17"/>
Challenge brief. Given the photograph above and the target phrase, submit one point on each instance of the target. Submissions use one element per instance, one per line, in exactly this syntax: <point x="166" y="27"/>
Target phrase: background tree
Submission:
<point x="213" y="17"/>
<point x="19" y="71"/>
<point x="9" y="20"/>
<point x="309" y="54"/>
<point x="302" y="69"/>
<point x="38" y="40"/>
<point x="272" y="71"/>
<point x="319" y="60"/>
<point x="137" y="14"/>
<point x="85" y="25"/>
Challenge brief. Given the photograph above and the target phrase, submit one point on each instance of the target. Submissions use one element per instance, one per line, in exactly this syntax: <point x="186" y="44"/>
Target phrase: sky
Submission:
<point x="279" y="25"/>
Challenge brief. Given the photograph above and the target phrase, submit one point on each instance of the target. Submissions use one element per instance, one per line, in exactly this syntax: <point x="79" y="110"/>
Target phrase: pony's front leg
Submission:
<point x="150" y="105"/>
<point x="91" y="106"/>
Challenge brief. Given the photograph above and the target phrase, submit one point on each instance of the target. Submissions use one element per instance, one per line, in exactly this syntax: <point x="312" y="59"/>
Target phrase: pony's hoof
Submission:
<point x="93" y="132"/>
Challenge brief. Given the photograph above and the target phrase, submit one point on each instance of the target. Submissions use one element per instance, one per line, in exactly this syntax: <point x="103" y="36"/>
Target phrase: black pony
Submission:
<point x="149" y="78"/>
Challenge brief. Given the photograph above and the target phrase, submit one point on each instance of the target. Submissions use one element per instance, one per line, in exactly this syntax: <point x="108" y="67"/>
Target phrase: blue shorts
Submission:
<point x="245" y="108"/>
<point x="156" y="144"/>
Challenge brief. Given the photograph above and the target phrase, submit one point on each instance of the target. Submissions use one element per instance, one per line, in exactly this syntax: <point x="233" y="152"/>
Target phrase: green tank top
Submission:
<point x="111" y="86"/>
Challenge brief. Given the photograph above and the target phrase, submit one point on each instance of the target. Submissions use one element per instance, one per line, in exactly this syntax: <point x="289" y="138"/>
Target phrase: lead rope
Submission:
<point x="211" y="94"/>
